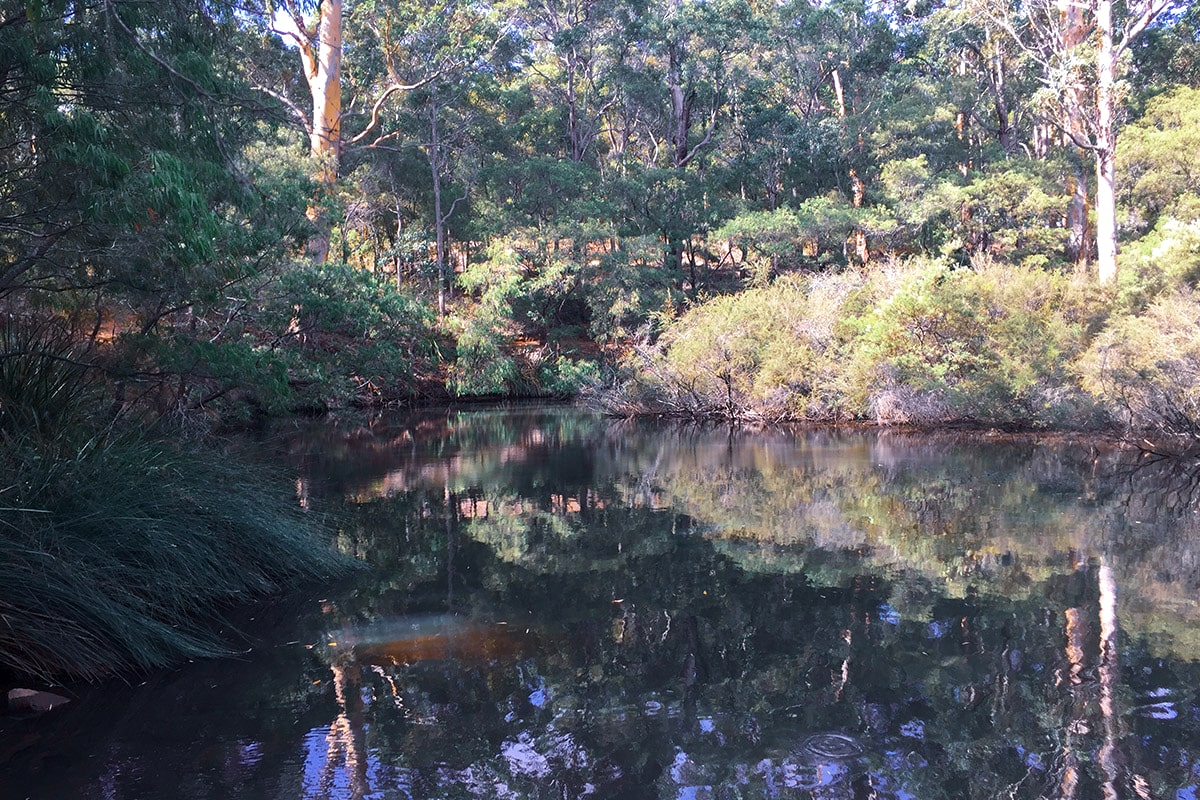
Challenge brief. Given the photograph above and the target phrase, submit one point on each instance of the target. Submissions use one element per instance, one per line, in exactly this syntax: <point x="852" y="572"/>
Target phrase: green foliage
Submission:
<point x="632" y="157"/>
<point x="1165" y="259"/>
<point x="1011" y="212"/>
<point x="47" y="379"/>
<point x="912" y="342"/>
<point x="118" y="553"/>
<point x="351" y="337"/>
<point x="776" y="234"/>
<point x="762" y="354"/>
<point x="118" y="550"/>
<point x="1156" y="158"/>
<point x="510" y="340"/>
<point x="988" y="344"/>
<point x="1145" y="368"/>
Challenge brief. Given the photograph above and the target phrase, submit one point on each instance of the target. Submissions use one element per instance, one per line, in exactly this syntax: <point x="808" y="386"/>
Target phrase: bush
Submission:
<point x="989" y="344"/>
<point x="353" y="337"/>
<point x="510" y="338"/>
<point x="907" y="342"/>
<point x="1145" y="368"/>
<point x="757" y="355"/>
<point x="1165" y="259"/>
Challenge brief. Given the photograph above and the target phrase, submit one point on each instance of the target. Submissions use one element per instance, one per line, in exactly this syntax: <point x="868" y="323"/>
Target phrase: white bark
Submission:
<point x="1105" y="145"/>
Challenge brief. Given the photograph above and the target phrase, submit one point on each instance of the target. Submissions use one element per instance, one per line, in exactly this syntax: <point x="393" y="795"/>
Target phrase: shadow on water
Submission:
<point x="558" y="607"/>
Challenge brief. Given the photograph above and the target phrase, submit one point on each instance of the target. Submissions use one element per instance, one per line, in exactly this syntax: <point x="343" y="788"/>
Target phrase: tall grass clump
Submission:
<point x="118" y="551"/>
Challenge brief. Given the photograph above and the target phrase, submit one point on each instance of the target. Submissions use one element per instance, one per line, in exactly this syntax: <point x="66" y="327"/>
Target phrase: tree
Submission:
<point x="318" y="38"/>
<point x="1082" y="101"/>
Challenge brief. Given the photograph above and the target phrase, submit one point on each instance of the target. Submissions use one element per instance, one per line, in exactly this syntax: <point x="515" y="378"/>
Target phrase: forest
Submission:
<point x="831" y="211"/>
<point x="215" y="211"/>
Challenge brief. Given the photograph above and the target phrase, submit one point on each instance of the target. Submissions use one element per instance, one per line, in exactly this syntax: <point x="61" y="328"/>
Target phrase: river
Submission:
<point x="561" y="606"/>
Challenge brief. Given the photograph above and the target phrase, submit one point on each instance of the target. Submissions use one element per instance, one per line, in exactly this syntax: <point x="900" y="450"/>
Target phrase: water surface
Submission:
<point x="559" y="606"/>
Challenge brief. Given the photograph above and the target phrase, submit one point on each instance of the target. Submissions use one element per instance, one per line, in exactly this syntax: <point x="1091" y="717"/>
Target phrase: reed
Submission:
<point x="118" y="550"/>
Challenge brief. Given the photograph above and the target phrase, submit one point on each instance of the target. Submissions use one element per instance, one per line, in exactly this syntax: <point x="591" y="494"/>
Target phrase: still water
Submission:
<point x="559" y="606"/>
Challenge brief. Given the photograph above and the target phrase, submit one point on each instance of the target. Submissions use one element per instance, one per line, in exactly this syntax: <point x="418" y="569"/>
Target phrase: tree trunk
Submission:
<point x="574" y="133"/>
<point x="681" y="122"/>
<point x="323" y="71"/>
<point x="1077" y="218"/>
<point x="1105" y="147"/>
<point x="839" y="94"/>
<point x="326" y="86"/>
<point x="439" y="218"/>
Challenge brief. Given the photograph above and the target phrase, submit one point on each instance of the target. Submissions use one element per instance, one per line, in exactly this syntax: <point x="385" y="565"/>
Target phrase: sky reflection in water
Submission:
<point x="561" y="606"/>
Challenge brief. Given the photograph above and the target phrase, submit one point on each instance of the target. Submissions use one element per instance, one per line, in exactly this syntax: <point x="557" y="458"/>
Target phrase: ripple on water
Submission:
<point x="832" y="745"/>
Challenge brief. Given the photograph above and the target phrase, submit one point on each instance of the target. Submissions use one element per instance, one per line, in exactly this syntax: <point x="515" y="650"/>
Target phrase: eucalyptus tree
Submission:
<point x="1081" y="54"/>
<point x="685" y="63"/>
<point x="572" y="45"/>
<point x="315" y="29"/>
<point x="458" y="55"/>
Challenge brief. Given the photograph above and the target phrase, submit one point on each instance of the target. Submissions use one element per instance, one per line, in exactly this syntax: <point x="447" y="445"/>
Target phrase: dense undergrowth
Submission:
<point x="926" y="342"/>
<point x="119" y="548"/>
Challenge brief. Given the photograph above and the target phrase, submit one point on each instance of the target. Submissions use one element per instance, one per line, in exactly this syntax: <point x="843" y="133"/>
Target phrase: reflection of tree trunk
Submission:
<point x="1076" y="644"/>
<point x="1076" y="654"/>
<point x="451" y="506"/>
<point x="843" y="678"/>
<point x="348" y="733"/>
<point x="1110" y="667"/>
<point x="693" y="665"/>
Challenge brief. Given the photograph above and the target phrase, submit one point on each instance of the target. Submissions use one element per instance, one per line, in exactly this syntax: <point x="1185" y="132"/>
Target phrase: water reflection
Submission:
<point x="564" y="607"/>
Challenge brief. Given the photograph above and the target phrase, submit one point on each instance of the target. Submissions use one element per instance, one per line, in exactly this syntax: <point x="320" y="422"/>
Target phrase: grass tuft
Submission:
<point x="119" y="550"/>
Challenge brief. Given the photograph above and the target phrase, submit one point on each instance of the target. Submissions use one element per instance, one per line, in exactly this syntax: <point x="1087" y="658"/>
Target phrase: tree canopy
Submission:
<point x="516" y="178"/>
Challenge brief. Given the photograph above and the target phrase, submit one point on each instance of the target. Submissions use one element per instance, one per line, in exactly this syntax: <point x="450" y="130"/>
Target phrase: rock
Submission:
<point x="24" y="701"/>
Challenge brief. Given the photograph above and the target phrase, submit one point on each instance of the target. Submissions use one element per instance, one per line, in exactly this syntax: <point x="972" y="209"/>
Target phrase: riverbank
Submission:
<point x="924" y="343"/>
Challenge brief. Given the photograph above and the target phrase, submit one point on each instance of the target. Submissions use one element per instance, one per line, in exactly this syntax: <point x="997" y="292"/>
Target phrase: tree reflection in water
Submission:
<point x="560" y="606"/>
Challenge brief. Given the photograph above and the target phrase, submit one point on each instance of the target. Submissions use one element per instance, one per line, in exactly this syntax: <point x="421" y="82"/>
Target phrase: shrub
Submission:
<point x="760" y="355"/>
<point x="353" y="337"/>
<point x="1165" y="259"/>
<point x="907" y="342"/>
<point x="989" y="344"/>
<point x="1145" y="368"/>
<point x="510" y="337"/>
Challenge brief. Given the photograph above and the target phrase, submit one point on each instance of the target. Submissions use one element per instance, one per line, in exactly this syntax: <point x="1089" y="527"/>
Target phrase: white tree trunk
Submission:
<point x="1105" y="147"/>
<point x="325" y="83"/>
<point x="323" y="71"/>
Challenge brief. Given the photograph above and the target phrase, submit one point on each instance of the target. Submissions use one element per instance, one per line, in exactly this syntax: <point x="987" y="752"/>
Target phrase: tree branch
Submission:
<point x="305" y="42"/>
<point x="378" y="107"/>
<point x="1136" y="26"/>
<point x="108" y="5"/>
<point x="295" y="109"/>
<point x="708" y="133"/>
